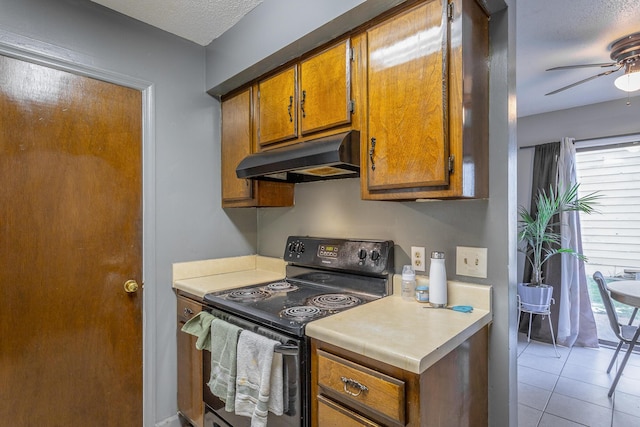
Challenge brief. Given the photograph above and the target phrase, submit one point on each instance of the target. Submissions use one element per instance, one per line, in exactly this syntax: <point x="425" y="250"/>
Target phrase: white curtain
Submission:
<point x="576" y="324"/>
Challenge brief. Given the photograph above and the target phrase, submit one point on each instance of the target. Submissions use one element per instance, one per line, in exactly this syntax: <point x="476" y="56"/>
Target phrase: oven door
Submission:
<point x="295" y="366"/>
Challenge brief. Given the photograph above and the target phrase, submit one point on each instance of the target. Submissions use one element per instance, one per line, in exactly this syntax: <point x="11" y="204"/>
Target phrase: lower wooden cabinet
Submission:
<point x="190" y="403"/>
<point x="352" y="390"/>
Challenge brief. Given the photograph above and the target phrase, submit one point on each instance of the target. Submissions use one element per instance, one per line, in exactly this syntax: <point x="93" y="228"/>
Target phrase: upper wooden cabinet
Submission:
<point x="415" y="83"/>
<point x="277" y="109"/>
<point x="427" y="100"/>
<point x="325" y="89"/>
<point x="311" y="96"/>
<point x="407" y="106"/>
<point x="236" y="144"/>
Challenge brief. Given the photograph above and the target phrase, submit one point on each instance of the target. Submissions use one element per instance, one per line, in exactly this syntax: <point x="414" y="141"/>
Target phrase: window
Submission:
<point x="610" y="238"/>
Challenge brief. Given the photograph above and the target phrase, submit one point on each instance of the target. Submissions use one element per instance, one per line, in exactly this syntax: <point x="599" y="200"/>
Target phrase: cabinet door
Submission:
<point x="236" y="145"/>
<point x="325" y="89"/>
<point x="277" y="108"/>
<point x="190" y="403"/>
<point x="407" y="100"/>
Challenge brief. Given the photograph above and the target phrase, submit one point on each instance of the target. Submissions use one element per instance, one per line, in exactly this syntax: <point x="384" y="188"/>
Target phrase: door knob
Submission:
<point x="131" y="286"/>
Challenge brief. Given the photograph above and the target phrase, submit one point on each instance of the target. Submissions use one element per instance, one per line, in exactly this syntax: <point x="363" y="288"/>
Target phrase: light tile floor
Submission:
<point x="572" y="390"/>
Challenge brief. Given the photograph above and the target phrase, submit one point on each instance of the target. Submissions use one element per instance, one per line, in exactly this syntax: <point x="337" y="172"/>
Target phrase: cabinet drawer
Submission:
<point x="187" y="309"/>
<point x="361" y="387"/>
<point x="332" y="414"/>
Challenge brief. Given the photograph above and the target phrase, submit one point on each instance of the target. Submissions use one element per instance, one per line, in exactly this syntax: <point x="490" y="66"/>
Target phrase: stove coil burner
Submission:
<point x="335" y="301"/>
<point x="282" y="286"/>
<point x="301" y="312"/>
<point x="248" y="295"/>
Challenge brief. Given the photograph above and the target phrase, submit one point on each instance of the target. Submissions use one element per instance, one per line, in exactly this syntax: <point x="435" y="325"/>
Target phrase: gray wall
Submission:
<point x="600" y="120"/>
<point x="182" y="153"/>
<point x="334" y="208"/>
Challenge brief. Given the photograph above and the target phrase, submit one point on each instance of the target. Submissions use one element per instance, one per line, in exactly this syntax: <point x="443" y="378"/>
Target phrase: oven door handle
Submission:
<point x="287" y="349"/>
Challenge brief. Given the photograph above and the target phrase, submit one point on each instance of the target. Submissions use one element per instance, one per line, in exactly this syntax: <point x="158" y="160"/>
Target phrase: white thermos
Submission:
<point x="437" y="280"/>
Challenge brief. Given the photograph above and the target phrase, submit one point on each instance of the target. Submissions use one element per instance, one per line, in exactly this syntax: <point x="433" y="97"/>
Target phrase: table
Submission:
<point x="626" y="292"/>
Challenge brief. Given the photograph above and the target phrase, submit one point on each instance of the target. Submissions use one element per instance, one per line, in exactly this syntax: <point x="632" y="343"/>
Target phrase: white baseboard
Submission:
<point x="173" y="421"/>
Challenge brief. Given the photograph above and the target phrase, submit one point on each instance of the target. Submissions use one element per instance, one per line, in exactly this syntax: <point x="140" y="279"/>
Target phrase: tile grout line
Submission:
<point x="546" y="405"/>
<point x="564" y="363"/>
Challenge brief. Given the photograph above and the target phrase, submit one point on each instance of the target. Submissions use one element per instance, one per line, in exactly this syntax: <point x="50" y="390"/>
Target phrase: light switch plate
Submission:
<point x="471" y="261"/>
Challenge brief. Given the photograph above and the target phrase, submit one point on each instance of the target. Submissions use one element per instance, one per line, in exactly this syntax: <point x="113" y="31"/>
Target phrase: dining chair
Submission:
<point x="542" y="310"/>
<point x="624" y="333"/>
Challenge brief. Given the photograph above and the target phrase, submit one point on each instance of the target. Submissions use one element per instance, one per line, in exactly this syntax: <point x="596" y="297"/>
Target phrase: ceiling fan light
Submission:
<point x="629" y="82"/>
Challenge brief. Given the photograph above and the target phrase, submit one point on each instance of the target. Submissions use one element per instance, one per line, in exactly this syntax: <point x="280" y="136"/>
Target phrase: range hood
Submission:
<point x="330" y="157"/>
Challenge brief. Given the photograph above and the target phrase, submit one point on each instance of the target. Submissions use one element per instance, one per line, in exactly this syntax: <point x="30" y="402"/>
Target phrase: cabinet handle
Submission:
<point x="304" y="98"/>
<point x="350" y="382"/>
<point x="371" y="152"/>
<point x="289" y="108"/>
<point x="188" y="311"/>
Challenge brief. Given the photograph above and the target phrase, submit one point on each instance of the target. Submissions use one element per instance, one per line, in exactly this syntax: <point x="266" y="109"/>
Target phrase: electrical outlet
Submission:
<point x="471" y="261"/>
<point x="417" y="258"/>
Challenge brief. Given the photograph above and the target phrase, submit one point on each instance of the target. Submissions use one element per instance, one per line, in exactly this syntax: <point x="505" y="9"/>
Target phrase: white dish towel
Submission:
<point x="259" y="385"/>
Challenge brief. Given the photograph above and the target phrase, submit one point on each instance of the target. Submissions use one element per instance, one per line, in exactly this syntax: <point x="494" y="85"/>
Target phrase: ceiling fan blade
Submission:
<point x="568" y="67"/>
<point x="606" y="73"/>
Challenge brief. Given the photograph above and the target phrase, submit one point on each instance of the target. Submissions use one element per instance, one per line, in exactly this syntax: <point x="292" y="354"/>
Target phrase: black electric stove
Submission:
<point x="323" y="276"/>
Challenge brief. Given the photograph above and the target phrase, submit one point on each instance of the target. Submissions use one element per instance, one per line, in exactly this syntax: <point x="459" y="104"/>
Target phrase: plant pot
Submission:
<point x="535" y="298"/>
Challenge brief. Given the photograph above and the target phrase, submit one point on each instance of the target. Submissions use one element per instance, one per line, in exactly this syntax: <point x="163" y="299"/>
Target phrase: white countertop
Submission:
<point x="397" y="332"/>
<point x="201" y="277"/>
<point x="403" y="333"/>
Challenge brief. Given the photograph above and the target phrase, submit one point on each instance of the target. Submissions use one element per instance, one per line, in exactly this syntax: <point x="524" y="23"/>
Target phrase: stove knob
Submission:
<point x="375" y="255"/>
<point x="362" y="254"/>
<point x="290" y="247"/>
<point x="301" y="248"/>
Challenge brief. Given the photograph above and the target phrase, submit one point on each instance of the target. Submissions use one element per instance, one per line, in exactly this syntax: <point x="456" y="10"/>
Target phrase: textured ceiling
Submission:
<point x="552" y="33"/>
<point x="200" y="21"/>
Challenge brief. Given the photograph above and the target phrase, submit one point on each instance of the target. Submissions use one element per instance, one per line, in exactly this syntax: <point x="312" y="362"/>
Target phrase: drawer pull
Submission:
<point x="350" y="382"/>
<point x="188" y="311"/>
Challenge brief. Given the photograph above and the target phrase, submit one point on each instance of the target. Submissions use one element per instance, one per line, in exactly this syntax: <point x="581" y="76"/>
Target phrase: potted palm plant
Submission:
<point x="539" y="242"/>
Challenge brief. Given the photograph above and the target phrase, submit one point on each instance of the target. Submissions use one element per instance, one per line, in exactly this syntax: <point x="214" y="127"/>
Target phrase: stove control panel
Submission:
<point x="328" y="251"/>
<point x="362" y="256"/>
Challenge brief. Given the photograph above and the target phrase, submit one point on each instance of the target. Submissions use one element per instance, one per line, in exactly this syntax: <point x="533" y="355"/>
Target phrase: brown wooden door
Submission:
<point x="407" y="100"/>
<point x="277" y="108"/>
<point x="325" y="89"/>
<point x="70" y="236"/>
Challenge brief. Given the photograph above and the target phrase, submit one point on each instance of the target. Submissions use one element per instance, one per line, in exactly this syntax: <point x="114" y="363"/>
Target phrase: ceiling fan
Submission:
<point x="625" y="52"/>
